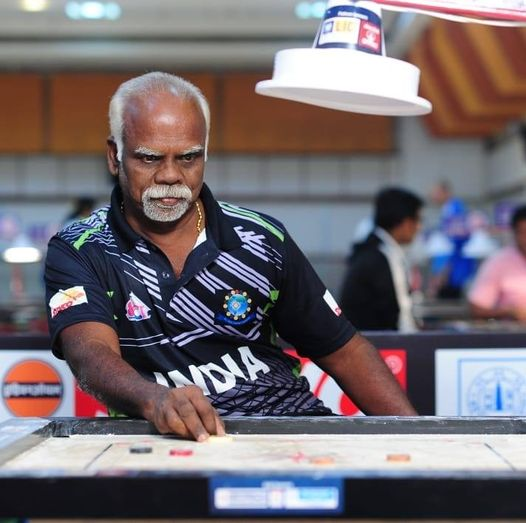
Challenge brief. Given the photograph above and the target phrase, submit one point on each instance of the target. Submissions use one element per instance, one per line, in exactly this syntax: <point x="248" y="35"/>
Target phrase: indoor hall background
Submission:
<point x="320" y="198"/>
<point x="473" y="138"/>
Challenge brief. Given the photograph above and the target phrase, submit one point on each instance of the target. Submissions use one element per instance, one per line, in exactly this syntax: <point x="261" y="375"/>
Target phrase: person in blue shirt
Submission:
<point x="453" y="270"/>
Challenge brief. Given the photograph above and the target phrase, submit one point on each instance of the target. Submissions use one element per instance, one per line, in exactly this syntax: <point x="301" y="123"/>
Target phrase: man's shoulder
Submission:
<point x="91" y="230"/>
<point x="368" y="250"/>
<point x="244" y="219"/>
<point x="503" y="257"/>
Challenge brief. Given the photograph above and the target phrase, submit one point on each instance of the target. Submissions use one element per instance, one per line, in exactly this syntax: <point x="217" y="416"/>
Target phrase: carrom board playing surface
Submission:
<point x="278" y="452"/>
<point x="337" y="467"/>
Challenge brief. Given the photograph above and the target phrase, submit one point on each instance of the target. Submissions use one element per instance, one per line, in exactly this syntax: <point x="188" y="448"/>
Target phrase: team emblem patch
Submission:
<point x="137" y="310"/>
<point x="64" y="299"/>
<point x="237" y="309"/>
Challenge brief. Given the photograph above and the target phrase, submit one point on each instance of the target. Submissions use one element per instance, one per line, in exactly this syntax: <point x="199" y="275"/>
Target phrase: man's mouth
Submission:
<point x="167" y="201"/>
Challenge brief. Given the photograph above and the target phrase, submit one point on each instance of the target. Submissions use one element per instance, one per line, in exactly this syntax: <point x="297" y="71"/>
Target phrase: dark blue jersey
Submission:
<point x="215" y="326"/>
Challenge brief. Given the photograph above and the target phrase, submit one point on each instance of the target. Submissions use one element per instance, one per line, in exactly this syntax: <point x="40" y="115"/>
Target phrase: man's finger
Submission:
<point x="206" y="413"/>
<point x="175" y="425"/>
<point x="190" y="417"/>
<point x="220" y="426"/>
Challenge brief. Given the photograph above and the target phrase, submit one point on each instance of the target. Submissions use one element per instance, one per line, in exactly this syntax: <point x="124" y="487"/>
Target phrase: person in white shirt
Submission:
<point x="376" y="292"/>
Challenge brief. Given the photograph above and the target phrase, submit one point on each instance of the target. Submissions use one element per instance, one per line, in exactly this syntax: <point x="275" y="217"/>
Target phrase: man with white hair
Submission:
<point x="166" y="303"/>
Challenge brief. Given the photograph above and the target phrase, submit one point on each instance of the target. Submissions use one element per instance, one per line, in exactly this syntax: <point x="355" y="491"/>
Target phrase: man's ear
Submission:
<point x="111" y="156"/>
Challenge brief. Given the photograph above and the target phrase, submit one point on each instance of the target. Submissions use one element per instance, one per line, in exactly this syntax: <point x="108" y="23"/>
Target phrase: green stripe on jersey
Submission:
<point x="81" y="240"/>
<point x="255" y="216"/>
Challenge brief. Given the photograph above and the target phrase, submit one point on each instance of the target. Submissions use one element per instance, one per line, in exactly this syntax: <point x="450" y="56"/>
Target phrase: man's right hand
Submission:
<point x="185" y="412"/>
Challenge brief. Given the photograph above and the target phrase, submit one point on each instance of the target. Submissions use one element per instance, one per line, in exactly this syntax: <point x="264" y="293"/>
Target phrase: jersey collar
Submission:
<point x="218" y="226"/>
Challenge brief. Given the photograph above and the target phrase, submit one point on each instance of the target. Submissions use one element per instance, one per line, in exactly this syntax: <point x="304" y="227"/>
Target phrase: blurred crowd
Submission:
<point x="464" y="257"/>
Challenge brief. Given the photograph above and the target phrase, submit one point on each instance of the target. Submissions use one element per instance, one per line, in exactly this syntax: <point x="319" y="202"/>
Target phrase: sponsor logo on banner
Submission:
<point x="480" y="382"/>
<point x="32" y="388"/>
<point x="137" y="310"/>
<point x="497" y="391"/>
<point x="331" y="302"/>
<point x="33" y="382"/>
<point x="325" y="388"/>
<point x="64" y="299"/>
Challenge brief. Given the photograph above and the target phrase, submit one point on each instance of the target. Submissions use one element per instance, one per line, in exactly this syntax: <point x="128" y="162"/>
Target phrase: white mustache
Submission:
<point x="168" y="191"/>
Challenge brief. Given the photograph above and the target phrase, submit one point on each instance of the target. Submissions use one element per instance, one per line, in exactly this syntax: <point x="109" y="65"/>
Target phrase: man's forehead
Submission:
<point x="147" y="123"/>
<point x="143" y="105"/>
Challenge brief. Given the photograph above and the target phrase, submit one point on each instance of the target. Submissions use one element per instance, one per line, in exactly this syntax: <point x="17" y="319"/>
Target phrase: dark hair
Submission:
<point x="393" y="205"/>
<point x="518" y="215"/>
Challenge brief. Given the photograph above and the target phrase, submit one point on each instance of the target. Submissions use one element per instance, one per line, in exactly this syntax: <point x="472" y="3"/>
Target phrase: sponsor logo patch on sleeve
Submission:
<point x="64" y="299"/>
<point x="331" y="302"/>
<point x="136" y="309"/>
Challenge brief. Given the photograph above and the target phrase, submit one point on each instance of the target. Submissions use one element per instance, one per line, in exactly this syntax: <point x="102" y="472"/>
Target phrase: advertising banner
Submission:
<point x="480" y="382"/>
<point x="35" y="383"/>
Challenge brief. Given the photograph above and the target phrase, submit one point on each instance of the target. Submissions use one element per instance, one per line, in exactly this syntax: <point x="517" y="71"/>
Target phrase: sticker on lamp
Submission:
<point x="351" y="25"/>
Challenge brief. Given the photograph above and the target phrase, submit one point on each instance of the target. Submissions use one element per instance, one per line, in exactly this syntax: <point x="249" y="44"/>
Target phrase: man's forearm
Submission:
<point x="105" y="375"/>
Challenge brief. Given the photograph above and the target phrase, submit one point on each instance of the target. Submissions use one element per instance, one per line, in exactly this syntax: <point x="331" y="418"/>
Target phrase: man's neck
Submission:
<point x="384" y="233"/>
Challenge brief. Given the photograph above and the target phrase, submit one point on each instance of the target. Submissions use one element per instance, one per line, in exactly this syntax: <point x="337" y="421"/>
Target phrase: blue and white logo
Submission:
<point x="237" y="309"/>
<point x="480" y="382"/>
<point x="497" y="391"/>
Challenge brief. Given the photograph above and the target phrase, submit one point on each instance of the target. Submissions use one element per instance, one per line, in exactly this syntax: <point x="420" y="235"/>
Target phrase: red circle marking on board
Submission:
<point x="32" y="388"/>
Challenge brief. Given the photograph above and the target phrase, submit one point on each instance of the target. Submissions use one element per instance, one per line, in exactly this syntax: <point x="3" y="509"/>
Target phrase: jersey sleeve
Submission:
<point x="74" y="292"/>
<point x="306" y="314"/>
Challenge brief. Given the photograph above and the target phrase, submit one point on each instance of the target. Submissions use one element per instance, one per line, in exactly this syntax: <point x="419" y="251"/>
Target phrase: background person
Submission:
<point x="499" y="289"/>
<point x="376" y="290"/>
<point x="451" y="272"/>
<point x="166" y="303"/>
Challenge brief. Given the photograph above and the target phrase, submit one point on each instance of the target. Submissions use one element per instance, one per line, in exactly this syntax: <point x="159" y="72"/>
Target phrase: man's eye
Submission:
<point x="188" y="157"/>
<point x="149" y="158"/>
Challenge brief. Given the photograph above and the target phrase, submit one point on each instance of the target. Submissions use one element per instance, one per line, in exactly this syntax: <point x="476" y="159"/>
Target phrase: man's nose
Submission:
<point x="169" y="173"/>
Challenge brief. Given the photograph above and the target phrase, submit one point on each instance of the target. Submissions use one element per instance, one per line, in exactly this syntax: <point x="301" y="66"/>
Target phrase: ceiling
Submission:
<point x="193" y="34"/>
